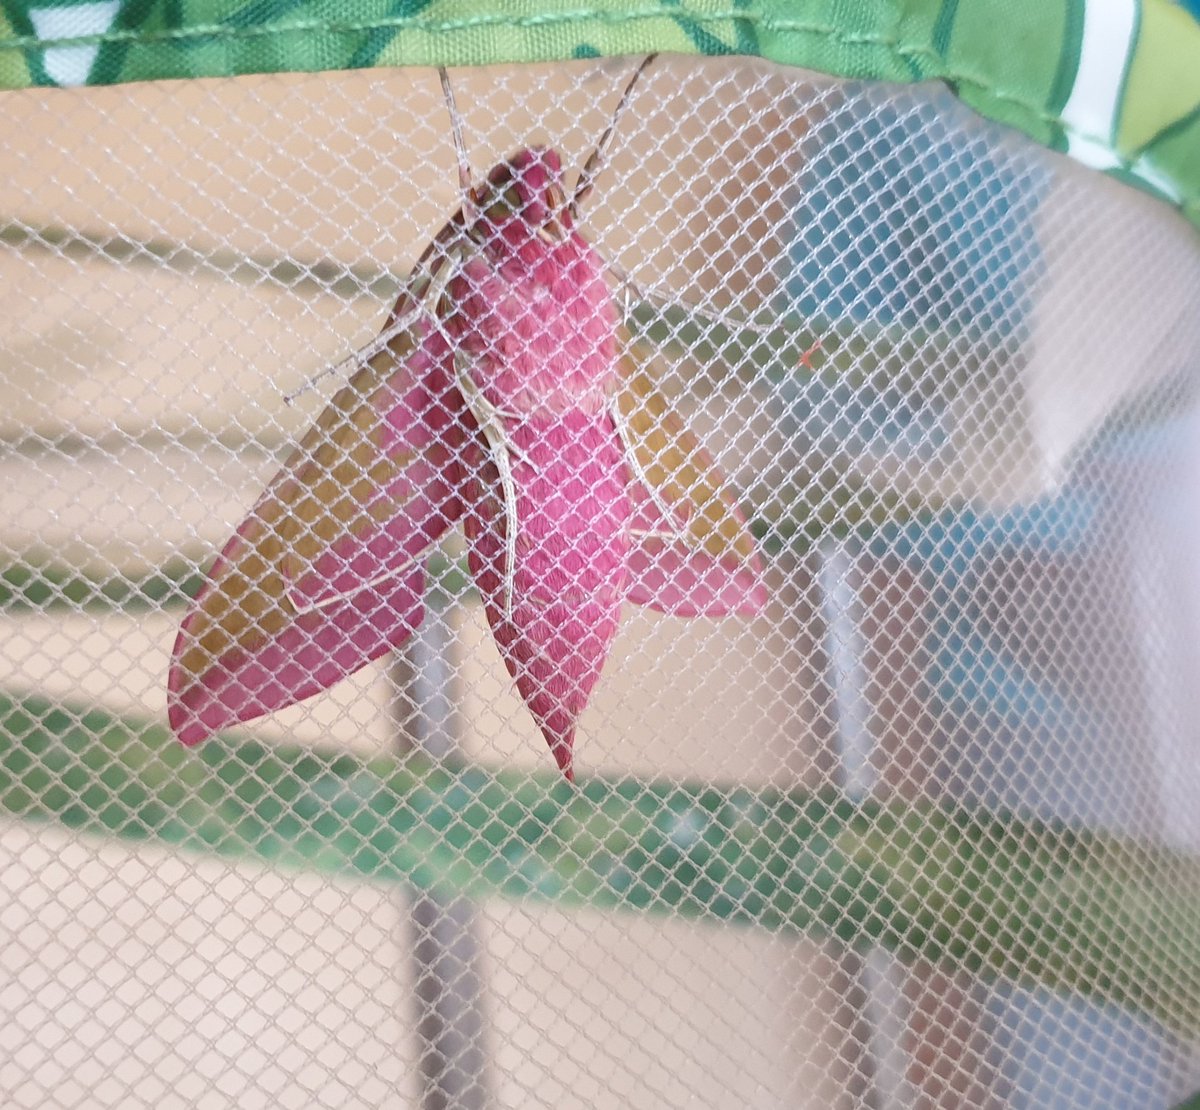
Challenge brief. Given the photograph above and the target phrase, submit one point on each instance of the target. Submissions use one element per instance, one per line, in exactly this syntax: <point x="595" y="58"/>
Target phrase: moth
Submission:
<point x="501" y="394"/>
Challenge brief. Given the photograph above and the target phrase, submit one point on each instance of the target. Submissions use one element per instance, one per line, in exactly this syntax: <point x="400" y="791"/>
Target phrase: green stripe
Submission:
<point x="260" y="13"/>
<point x="23" y="41"/>
<point x="378" y="40"/>
<point x="704" y="40"/>
<point x="110" y="61"/>
<point x="1126" y="69"/>
<point x="944" y="26"/>
<point x="984" y="893"/>
<point x="746" y="40"/>
<point x="1173" y="131"/>
<point x="1068" y="56"/>
<point x="1012" y="60"/>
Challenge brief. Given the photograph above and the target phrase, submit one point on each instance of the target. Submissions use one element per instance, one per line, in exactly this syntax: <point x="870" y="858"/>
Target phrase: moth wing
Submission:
<point x="692" y="552"/>
<point x="326" y="572"/>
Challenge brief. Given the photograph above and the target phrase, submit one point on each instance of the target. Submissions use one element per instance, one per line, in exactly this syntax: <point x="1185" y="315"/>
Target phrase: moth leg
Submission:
<point x="680" y="532"/>
<point x="337" y="599"/>
<point x="363" y="355"/>
<point x="502" y="450"/>
<point x="730" y="318"/>
<point x="495" y="415"/>
<point x="299" y="607"/>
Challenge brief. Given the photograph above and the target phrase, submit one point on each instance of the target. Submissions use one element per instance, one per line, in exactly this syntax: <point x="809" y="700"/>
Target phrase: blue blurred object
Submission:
<point x="915" y="218"/>
<point x="914" y="222"/>
<point x="1013" y="719"/>
<point x="945" y="545"/>
<point x="904" y="215"/>
<point x="1065" y="1053"/>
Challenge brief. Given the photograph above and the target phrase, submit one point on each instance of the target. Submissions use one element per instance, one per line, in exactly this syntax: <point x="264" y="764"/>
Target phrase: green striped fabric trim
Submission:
<point x="1071" y="911"/>
<point x="1113" y="83"/>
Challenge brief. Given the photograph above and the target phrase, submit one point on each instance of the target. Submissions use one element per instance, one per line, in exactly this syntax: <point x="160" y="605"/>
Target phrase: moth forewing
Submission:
<point x="321" y="492"/>
<point x="282" y="586"/>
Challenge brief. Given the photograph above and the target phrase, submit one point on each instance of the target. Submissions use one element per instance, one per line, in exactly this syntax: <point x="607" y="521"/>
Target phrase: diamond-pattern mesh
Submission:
<point x="921" y="832"/>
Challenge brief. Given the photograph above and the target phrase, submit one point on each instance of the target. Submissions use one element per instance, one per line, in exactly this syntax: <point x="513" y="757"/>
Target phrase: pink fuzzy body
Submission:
<point x="538" y="323"/>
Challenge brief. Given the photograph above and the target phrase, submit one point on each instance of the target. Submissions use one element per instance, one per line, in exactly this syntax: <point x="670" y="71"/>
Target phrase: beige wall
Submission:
<point x="144" y="412"/>
<point x="155" y="394"/>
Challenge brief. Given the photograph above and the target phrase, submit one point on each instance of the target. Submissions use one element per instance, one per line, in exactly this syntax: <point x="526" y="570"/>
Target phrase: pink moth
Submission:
<point x="495" y="395"/>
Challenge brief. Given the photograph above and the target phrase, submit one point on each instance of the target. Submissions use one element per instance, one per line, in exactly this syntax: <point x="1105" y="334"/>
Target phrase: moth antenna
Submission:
<point x="469" y="207"/>
<point x="599" y="157"/>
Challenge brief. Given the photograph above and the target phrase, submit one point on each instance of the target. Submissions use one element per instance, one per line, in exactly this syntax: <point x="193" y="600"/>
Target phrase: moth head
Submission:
<point x="528" y="188"/>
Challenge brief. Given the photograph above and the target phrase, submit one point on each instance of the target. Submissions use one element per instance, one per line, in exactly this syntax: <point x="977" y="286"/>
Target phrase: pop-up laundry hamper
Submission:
<point x="794" y="437"/>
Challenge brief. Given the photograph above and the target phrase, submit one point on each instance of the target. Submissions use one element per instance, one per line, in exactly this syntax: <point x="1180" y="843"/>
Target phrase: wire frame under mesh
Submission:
<point x="918" y="829"/>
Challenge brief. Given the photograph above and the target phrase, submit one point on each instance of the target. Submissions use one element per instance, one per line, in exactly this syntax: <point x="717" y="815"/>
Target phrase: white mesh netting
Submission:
<point x="921" y="831"/>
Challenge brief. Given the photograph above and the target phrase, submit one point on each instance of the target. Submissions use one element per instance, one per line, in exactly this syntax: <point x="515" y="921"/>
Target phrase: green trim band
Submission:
<point x="994" y="895"/>
<point x="1055" y="69"/>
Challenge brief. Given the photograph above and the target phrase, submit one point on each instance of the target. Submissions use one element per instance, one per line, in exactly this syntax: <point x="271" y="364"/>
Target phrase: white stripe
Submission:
<point x="1094" y="153"/>
<point x="1147" y="171"/>
<point x="71" y="65"/>
<point x="1089" y="115"/>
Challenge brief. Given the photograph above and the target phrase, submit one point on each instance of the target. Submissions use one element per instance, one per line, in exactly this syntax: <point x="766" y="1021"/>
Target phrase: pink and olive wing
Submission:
<point x="326" y="572"/>
<point x="692" y="552"/>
